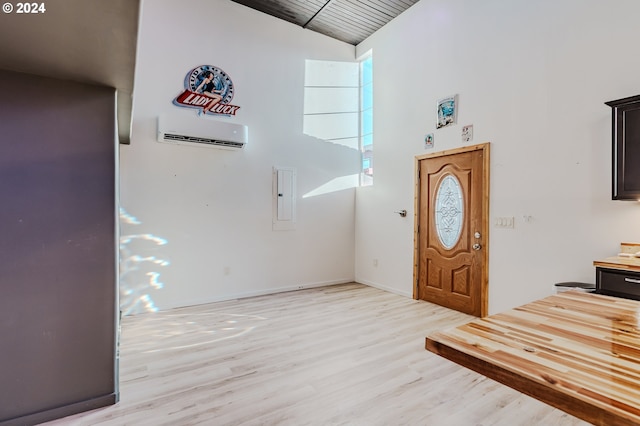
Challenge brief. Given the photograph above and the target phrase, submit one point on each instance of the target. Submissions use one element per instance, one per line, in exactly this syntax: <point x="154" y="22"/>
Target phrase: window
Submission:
<point x="331" y="102"/>
<point x="366" y="120"/>
<point x="338" y="108"/>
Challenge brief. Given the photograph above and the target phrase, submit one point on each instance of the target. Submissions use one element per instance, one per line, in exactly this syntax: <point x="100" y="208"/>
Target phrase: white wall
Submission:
<point x="532" y="77"/>
<point x="213" y="207"/>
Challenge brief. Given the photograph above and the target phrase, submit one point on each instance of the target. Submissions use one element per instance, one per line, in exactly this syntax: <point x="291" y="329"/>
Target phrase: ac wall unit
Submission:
<point x="202" y="132"/>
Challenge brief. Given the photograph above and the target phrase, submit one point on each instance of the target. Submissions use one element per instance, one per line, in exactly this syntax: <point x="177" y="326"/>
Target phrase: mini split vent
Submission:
<point x="170" y="137"/>
<point x="202" y="132"/>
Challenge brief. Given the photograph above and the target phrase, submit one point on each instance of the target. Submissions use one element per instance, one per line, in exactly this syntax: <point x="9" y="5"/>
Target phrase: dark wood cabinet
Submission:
<point x="616" y="282"/>
<point x="626" y="148"/>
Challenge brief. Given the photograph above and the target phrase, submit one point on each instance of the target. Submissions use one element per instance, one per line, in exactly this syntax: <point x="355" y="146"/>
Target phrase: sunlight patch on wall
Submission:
<point x="337" y="184"/>
<point x="139" y="265"/>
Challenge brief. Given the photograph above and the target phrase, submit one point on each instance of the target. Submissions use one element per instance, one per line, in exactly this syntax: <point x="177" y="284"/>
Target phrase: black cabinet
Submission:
<point x="626" y="148"/>
<point x="616" y="282"/>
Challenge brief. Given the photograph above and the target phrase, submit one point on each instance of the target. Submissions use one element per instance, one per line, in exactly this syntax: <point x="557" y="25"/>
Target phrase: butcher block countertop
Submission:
<point x="622" y="262"/>
<point x="618" y="262"/>
<point x="577" y="351"/>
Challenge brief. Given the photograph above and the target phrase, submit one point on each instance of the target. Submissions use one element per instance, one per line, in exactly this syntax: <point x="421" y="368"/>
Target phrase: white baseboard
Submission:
<point x="264" y="292"/>
<point x="385" y="288"/>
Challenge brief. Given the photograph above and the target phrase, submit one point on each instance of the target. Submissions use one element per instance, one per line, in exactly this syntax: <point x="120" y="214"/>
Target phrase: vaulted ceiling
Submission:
<point x="94" y="41"/>
<point x="350" y="21"/>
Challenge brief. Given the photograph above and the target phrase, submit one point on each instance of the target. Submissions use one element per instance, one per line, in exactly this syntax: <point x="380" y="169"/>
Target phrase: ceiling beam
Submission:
<point x="317" y="13"/>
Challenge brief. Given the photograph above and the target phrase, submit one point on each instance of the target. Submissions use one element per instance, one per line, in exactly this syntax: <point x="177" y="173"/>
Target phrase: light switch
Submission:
<point x="505" y="222"/>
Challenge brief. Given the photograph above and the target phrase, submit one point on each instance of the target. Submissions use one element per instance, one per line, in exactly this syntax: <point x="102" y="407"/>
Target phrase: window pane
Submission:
<point x="367" y="96"/>
<point x="331" y="126"/>
<point x="449" y="211"/>
<point x="366" y="176"/>
<point x="367" y="142"/>
<point x="366" y="68"/>
<point x="338" y="107"/>
<point x="331" y="73"/>
<point x="330" y="99"/>
<point x="367" y="121"/>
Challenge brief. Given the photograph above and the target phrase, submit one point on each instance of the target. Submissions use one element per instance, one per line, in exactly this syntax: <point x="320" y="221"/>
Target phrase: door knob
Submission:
<point x="477" y="246"/>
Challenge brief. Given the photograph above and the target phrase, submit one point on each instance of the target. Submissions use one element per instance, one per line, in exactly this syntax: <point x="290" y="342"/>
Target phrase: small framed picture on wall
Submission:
<point x="428" y="141"/>
<point x="447" y="111"/>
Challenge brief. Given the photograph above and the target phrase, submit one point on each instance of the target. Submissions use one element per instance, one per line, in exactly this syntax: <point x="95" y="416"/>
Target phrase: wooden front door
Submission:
<point x="451" y="235"/>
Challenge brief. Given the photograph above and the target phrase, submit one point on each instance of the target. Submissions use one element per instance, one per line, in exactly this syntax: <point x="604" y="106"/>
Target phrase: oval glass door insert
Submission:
<point x="449" y="212"/>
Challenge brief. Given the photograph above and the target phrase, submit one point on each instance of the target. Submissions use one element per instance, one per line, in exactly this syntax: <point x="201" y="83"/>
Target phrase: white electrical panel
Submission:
<point x="284" y="198"/>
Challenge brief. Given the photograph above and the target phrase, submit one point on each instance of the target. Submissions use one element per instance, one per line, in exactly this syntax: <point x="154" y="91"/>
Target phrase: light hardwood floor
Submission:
<point x="338" y="355"/>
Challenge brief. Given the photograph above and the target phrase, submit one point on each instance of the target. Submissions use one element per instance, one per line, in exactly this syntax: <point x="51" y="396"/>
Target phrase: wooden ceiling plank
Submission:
<point x="351" y="37"/>
<point x="371" y="5"/>
<point x="327" y="4"/>
<point x="349" y="26"/>
<point x="361" y="12"/>
<point x="358" y="13"/>
<point x="284" y="10"/>
<point x="350" y="21"/>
